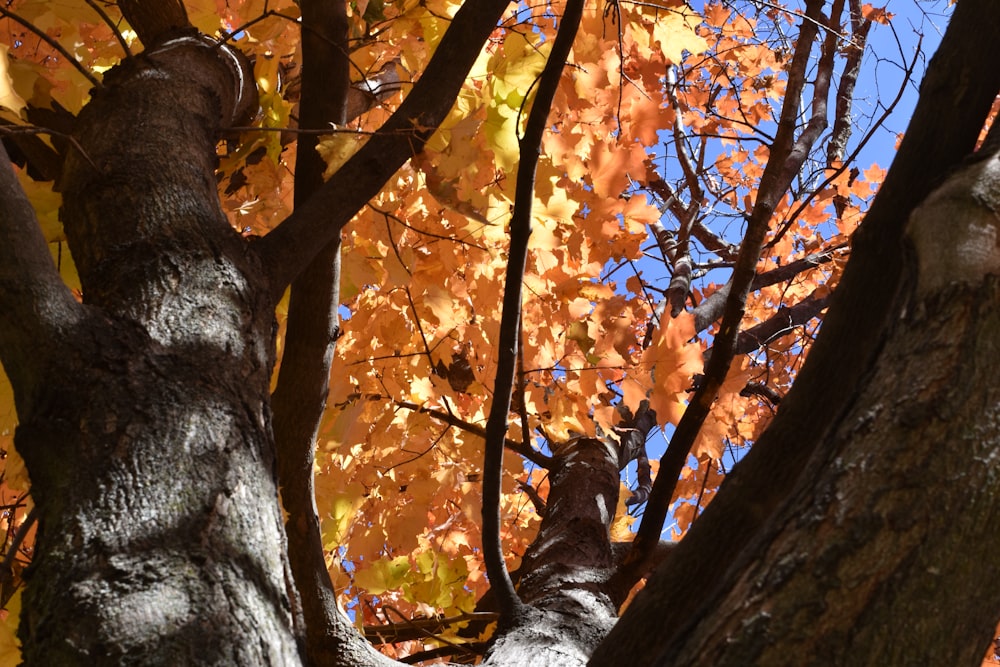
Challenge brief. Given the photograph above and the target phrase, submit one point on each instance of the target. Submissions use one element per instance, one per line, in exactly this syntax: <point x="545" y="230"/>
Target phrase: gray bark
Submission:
<point x="145" y="420"/>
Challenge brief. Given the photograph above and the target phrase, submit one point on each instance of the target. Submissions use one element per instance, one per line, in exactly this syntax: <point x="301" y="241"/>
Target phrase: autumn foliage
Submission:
<point x="653" y="160"/>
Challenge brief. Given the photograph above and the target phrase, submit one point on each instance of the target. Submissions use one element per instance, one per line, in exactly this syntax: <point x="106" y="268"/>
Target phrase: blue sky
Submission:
<point x="915" y="32"/>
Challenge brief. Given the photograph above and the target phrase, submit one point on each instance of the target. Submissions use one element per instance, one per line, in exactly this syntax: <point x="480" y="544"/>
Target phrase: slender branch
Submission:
<point x="680" y="283"/>
<point x="523" y="449"/>
<point x="787" y="156"/>
<point x="842" y="124"/>
<point x="852" y="158"/>
<point x="713" y="306"/>
<point x="299" y="398"/>
<point x="111" y="24"/>
<point x="510" y="322"/>
<point x="418" y="628"/>
<point x="785" y="320"/>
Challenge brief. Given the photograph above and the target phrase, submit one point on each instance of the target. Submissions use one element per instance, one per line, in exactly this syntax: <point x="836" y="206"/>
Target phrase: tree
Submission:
<point x="158" y="435"/>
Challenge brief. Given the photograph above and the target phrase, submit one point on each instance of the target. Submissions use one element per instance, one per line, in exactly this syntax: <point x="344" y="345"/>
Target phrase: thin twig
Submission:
<point x="111" y="24"/>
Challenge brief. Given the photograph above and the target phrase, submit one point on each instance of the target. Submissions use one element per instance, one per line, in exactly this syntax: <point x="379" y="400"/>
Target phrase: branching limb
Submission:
<point x="299" y="398"/>
<point x="523" y="449"/>
<point x="290" y="247"/>
<point x="786" y="158"/>
<point x="712" y="307"/>
<point x="785" y="320"/>
<point x="510" y="322"/>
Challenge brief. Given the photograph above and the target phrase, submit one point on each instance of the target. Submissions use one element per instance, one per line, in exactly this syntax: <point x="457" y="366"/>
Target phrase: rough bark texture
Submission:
<point x="564" y="573"/>
<point x="882" y="553"/>
<point x="160" y="538"/>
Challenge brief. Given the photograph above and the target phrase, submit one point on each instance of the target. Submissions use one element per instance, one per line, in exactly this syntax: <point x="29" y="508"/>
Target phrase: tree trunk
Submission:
<point x="146" y="427"/>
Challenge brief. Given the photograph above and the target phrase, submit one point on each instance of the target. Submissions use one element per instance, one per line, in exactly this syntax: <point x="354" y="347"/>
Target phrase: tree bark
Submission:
<point x="894" y="525"/>
<point x="145" y="420"/>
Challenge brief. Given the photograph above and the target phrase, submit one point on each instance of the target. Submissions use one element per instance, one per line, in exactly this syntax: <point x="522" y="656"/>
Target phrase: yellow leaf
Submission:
<point x="338" y="148"/>
<point x="8" y="96"/>
<point x="676" y="33"/>
<point x="10" y="649"/>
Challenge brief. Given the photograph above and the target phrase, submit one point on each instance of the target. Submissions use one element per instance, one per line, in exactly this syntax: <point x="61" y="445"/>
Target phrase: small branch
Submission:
<point x="419" y="628"/>
<point x="852" y="158"/>
<point x="711" y="308"/>
<point x="111" y="24"/>
<point x="785" y="320"/>
<point x="525" y="450"/>
<point x="509" y="603"/>
<point x="536" y="500"/>
<point x="842" y="124"/>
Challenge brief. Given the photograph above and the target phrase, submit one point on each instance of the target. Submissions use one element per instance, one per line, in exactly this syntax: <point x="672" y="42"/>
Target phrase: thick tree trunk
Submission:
<point x="146" y="430"/>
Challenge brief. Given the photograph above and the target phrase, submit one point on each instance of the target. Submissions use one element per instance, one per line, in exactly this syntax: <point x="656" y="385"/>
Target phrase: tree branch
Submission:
<point x="523" y="449"/>
<point x="152" y="21"/>
<point x="783" y="321"/>
<point x="35" y="302"/>
<point x="299" y="398"/>
<point x="510" y="323"/>
<point x="959" y="88"/>
<point x="711" y="307"/>
<point x="290" y="247"/>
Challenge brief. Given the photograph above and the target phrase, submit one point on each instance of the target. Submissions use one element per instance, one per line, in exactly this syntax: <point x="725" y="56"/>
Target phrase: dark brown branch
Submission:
<point x="711" y="308"/>
<point x="958" y="90"/>
<point x="852" y="158"/>
<point x="785" y="320"/>
<point x="54" y="44"/>
<point x="287" y="249"/>
<point x="299" y="399"/>
<point x="530" y="143"/>
<point x="8" y="585"/>
<point x="111" y="24"/>
<point x="28" y="149"/>
<point x="420" y="628"/>
<point x="842" y="122"/>
<point x="523" y="449"/>
<point x="786" y="158"/>
<point x="153" y="21"/>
